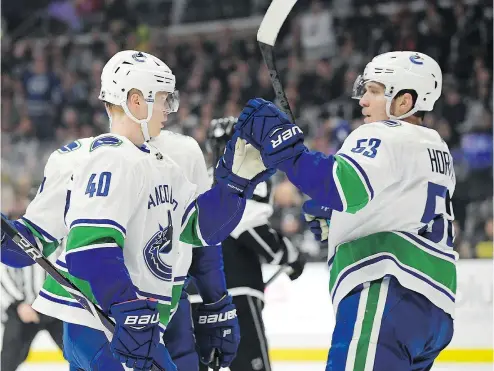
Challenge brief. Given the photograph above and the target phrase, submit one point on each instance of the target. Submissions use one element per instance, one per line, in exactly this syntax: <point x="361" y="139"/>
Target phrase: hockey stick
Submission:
<point x="37" y="256"/>
<point x="283" y="269"/>
<point x="266" y="37"/>
<point x="215" y="365"/>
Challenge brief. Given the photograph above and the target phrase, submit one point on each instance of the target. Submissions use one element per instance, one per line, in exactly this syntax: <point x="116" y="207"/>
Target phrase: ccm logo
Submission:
<point x="222" y="317"/>
<point x="287" y="134"/>
<point x="141" y="321"/>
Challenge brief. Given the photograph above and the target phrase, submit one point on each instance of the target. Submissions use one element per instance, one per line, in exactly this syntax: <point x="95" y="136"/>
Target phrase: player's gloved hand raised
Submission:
<point x="318" y="218"/>
<point x="268" y="129"/>
<point x="216" y="327"/>
<point x="137" y="333"/>
<point x="241" y="168"/>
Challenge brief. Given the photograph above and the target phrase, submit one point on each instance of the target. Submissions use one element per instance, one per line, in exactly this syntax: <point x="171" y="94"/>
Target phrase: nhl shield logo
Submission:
<point x="155" y="250"/>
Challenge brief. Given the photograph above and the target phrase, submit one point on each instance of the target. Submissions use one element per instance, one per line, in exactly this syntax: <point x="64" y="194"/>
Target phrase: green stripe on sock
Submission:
<point x="354" y="190"/>
<point x="368" y="321"/>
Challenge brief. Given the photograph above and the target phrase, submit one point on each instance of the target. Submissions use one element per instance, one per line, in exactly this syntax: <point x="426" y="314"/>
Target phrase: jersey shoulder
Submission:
<point x="186" y="153"/>
<point x="66" y="158"/>
<point x="115" y="148"/>
<point x="114" y="153"/>
<point x="178" y="144"/>
<point x="396" y="132"/>
<point x="386" y="128"/>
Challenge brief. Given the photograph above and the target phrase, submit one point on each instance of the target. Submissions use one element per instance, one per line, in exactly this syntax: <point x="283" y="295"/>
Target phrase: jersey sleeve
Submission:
<point x="270" y="244"/>
<point x="255" y="214"/>
<point x="104" y="195"/>
<point x="213" y="213"/>
<point x="366" y="165"/>
<point x="45" y="214"/>
<point x="210" y="218"/>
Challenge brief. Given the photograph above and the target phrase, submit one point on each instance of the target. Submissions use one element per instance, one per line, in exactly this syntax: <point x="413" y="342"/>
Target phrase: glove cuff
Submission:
<point x="241" y="186"/>
<point x="284" y="161"/>
<point x="224" y="301"/>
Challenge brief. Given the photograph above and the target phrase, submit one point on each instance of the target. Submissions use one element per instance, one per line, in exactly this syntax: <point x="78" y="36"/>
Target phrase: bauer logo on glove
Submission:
<point x="141" y="321"/>
<point x="287" y="134"/>
<point x="221" y="317"/>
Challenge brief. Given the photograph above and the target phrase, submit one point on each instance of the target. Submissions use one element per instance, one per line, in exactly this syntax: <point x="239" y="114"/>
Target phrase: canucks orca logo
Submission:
<point x="157" y="247"/>
<point x="416" y="59"/>
<point x="139" y="57"/>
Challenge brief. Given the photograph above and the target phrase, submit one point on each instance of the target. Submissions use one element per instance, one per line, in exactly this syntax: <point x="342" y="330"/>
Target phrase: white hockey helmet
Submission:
<point x="131" y="69"/>
<point x="403" y="70"/>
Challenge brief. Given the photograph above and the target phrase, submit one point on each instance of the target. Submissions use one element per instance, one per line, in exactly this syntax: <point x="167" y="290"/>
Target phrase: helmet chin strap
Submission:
<point x="109" y="116"/>
<point x="143" y="123"/>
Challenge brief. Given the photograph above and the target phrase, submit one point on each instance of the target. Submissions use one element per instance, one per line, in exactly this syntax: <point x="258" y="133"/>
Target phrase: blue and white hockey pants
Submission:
<point x="87" y="349"/>
<point x="382" y="326"/>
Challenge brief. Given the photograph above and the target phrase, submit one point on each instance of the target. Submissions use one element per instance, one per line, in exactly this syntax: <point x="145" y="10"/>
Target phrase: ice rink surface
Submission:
<point x="282" y="366"/>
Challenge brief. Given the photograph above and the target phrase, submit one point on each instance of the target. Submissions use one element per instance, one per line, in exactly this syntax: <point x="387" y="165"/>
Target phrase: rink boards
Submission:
<point x="299" y="318"/>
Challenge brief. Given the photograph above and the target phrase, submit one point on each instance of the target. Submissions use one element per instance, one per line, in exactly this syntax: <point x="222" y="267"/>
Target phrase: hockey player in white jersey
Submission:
<point x="387" y="195"/>
<point x="122" y="167"/>
<point x="45" y="218"/>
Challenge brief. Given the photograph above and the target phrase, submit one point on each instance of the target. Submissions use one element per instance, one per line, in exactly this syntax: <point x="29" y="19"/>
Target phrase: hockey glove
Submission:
<point x="268" y="129"/>
<point x="216" y="327"/>
<point x="318" y="217"/>
<point x="137" y="333"/>
<point x="292" y="258"/>
<point x="12" y="255"/>
<point x="240" y="168"/>
<point x="297" y="267"/>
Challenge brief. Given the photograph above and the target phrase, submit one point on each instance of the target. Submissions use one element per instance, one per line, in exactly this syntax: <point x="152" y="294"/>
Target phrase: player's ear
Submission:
<point x="135" y="99"/>
<point x="407" y="102"/>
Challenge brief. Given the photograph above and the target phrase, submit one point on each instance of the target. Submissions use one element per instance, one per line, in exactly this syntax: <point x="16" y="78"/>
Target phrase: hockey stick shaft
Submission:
<point x="38" y="257"/>
<point x="267" y="34"/>
<point x="215" y="365"/>
<point x="267" y="52"/>
<point x="283" y="269"/>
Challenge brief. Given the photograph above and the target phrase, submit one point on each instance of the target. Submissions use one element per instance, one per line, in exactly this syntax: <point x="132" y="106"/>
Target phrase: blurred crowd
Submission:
<point x="50" y="86"/>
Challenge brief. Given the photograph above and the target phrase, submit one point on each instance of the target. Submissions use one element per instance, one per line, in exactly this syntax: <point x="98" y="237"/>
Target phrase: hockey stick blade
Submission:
<point x="38" y="257"/>
<point x="274" y="18"/>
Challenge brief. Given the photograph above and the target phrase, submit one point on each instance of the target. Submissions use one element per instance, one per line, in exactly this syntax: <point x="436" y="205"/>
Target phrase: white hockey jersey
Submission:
<point x="108" y="172"/>
<point x="187" y="154"/>
<point x="395" y="180"/>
